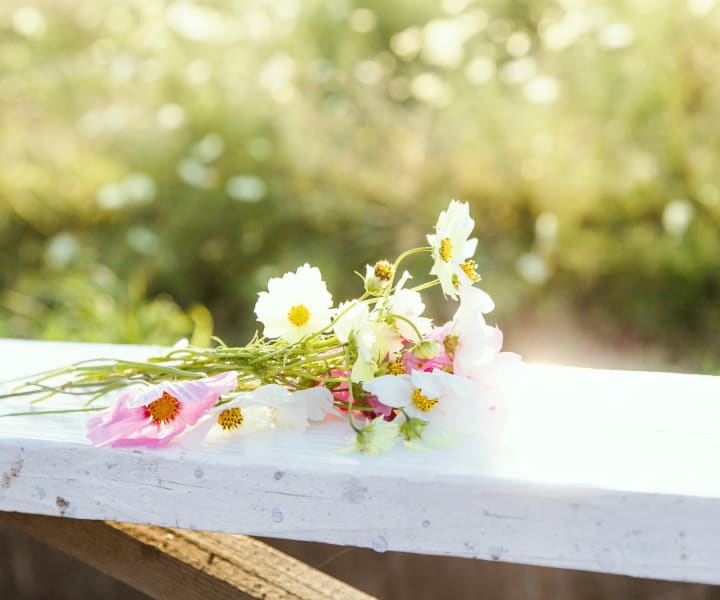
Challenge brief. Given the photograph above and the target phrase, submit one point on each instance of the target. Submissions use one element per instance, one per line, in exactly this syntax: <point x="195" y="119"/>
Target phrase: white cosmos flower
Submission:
<point x="451" y="248"/>
<point x="293" y="410"/>
<point x="266" y="407"/>
<point x="351" y="316"/>
<point x="444" y="400"/>
<point x="409" y="304"/>
<point x="237" y="417"/>
<point x="374" y="340"/>
<point x="295" y="305"/>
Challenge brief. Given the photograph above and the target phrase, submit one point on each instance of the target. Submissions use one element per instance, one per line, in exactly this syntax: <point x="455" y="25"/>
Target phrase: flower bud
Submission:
<point x="412" y="429"/>
<point x="383" y="270"/>
<point x="373" y="285"/>
<point x="427" y="349"/>
<point x="378" y="277"/>
<point x="451" y="343"/>
<point x="377" y="436"/>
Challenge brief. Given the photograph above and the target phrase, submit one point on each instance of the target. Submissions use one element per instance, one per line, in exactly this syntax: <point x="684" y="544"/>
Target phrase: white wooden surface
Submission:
<point x="598" y="470"/>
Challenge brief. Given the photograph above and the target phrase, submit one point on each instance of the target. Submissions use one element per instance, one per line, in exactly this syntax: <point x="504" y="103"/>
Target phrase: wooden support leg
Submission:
<point x="178" y="564"/>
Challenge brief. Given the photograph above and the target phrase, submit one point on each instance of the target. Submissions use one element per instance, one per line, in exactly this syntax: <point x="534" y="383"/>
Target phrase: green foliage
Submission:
<point x="95" y="306"/>
<point x="157" y="152"/>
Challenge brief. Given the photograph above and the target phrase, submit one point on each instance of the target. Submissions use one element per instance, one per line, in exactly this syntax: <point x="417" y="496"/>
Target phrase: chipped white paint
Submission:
<point x="597" y="470"/>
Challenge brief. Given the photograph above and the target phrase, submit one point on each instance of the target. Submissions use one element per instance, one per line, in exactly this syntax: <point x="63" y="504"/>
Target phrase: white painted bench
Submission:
<point x="604" y="471"/>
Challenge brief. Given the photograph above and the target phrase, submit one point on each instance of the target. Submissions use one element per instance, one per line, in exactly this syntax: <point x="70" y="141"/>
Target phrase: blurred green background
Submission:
<point x="159" y="160"/>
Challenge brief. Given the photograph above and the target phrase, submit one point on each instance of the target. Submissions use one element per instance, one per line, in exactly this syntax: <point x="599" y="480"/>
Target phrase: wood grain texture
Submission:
<point x="597" y="470"/>
<point x="179" y="565"/>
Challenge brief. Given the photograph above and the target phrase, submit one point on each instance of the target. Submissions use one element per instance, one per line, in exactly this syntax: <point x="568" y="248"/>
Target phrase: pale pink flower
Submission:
<point x="156" y="415"/>
<point x="478" y="346"/>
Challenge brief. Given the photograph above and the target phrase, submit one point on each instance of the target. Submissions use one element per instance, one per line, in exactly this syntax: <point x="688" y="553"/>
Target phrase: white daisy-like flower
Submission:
<point x="409" y="305"/>
<point x="375" y="338"/>
<point x="374" y="341"/>
<point x="294" y="410"/>
<point x="354" y="322"/>
<point x="452" y="250"/>
<point x="239" y="416"/>
<point x="351" y="316"/>
<point x="295" y="305"/>
<point x="446" y="401"/>
<point x="269" y="406"/>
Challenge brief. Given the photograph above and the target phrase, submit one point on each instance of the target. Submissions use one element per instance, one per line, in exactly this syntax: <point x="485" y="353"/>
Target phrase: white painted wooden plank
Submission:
<point x="598" y="470"/>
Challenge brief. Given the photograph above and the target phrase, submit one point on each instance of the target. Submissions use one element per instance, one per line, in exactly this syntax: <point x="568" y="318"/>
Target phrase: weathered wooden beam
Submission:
<point x="179" y="565"/>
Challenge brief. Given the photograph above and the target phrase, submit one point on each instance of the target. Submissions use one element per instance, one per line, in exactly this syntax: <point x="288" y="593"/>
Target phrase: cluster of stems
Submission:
<point x="319" y="358"/>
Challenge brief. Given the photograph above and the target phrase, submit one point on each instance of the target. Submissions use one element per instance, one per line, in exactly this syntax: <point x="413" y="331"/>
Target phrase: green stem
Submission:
<point x="338" y="317"/>
<point x="425" y="286"/>
<point x="351" y="397"/>
<point x="53" y="412"/>
<point x="409" y="322"/>
<point x="407" y="253"/>
<point x="399" y="260"/>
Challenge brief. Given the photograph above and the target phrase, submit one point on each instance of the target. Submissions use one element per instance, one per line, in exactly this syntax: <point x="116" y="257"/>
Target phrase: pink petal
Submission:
<point x="380" y="408"/>
<point x="103" y="430"/>
<point x="192" y="411"/>
<point x="495" y="338"/>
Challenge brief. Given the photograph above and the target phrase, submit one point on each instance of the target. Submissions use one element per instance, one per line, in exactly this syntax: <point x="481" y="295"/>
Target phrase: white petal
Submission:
<point x="442" y="385"/>
<point x="363" y="370"/>
<point x="456" y="385"/>
<point x="403" y="280"/>
<point x="355" y="317"/>
<point x="318" y="402"/>
<point x="391" y="390"/>
<point x="428" y="382"/>
<point x="270" y="395"/>
<point x="474" y="299"/>
<point x="292" y="416"/>
<point x="469" y="248"/>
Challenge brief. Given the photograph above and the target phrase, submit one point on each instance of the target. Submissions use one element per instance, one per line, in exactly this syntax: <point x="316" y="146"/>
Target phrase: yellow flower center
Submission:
<point x="164" y="409"/>
<point x="230" y="419"/>
<point x="470" y="269"/>
<point x="422" y="402"/>
<point x="446" y="249"/>
<point x="299" y="315"/>
<point x="395" y="367"/>
<point x="383" y="270"/>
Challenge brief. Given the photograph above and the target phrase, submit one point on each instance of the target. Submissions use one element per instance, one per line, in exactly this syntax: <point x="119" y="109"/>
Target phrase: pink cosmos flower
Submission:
<point x="155" y="415"/>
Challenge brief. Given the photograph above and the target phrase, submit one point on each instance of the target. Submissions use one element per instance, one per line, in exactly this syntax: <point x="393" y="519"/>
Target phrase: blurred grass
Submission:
<point x="160" y="155"/>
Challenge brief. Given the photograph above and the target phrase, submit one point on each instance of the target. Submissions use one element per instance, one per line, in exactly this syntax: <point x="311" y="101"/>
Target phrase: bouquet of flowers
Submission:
<point x="375" y="361"/>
